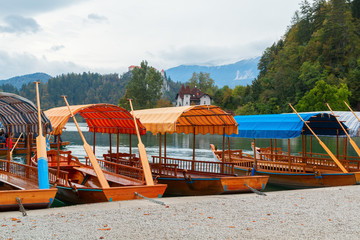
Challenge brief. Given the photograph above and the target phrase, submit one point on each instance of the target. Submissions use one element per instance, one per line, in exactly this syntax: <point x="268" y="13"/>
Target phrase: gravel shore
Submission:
<point x="326" y="213"/>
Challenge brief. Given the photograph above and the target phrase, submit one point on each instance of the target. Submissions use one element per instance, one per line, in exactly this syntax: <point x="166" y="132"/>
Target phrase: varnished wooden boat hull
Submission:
<point x="31" y="199"/>
<point x="212" y="186"/>
<point x="95" y="195"/>
<point x="305" y="180"/>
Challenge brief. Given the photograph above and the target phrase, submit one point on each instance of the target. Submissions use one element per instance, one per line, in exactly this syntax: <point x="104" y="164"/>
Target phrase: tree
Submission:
<point x="322" y="93"/>
<point x="145" y="86"/>
<point x="203" y="82"/>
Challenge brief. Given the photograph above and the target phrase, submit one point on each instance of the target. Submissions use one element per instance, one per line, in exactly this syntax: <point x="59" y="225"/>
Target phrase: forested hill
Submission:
<point x="85" y="88"/>
<point x="316" y="61"/>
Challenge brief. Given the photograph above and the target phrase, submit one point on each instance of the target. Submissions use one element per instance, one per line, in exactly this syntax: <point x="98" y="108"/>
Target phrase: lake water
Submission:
<point x="181" y="145"/>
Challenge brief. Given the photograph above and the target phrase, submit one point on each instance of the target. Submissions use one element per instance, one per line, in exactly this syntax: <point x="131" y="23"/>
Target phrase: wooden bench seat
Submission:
<point x="18" y="182"/>
<point x="122" y="180"/>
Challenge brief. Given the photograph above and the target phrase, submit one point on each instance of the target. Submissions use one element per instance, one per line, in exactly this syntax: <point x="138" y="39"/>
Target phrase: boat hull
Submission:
<point x="31" y="199"/>
<point x="212" y="186"/>
<point x="95" y="195"/>
<point x="305" y="180"/>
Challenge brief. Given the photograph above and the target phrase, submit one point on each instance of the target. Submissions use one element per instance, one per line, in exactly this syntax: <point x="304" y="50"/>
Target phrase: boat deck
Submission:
<point x="18" y="182"/>
<point x="122" y="180"/>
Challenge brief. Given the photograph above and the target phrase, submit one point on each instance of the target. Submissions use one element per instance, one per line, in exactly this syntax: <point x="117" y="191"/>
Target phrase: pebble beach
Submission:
<point x="324" y="213"/>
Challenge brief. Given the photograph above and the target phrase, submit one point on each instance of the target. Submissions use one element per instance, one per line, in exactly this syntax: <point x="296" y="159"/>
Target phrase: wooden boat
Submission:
<point x="78" y="183"/>
<point x="86" y="182"/>
<point x="21" y="181"/>
<point x="286" y="169"/>
<point x="191" y="177"/>
<point x="207" y="178"/>
<point x="19" y="185"/>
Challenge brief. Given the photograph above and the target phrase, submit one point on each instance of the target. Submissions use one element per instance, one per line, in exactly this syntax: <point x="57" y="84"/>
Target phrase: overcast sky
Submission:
<point x="107" y="36"/>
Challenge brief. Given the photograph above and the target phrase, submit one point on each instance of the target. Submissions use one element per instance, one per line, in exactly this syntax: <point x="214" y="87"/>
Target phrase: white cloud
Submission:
<point x="18" y="24"/>
<point x="165" y="33"/>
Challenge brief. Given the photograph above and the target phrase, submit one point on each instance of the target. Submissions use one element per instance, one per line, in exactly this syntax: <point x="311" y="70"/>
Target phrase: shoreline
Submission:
<point x="322" y="213"/>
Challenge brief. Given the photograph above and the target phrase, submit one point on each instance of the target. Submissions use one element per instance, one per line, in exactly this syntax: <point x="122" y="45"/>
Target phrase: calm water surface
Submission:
<point x="181" y="145"/>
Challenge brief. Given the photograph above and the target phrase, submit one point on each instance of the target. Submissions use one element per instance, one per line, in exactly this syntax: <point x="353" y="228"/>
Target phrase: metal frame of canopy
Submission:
<point x="19" y="115"/>
<point x="287" y="126"/>
<point x="202" y="119"/>
<point x="100" y="118"/>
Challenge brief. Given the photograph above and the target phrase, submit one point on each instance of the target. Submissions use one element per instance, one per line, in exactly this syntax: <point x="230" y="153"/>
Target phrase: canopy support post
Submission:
<point x="160" y="160"/>
<point x="8" y="141"/>
<point x="228" y="141"/>
<point x="117" y="147"/>
<point x="337" y="143"/>
<point x="276" y="158"/>
<point x="130" y="145"/>
<point x="193" y="162"/>
<point x="311" y="144"/>
<point x="94" y="142"/>
<point x="165" y="146"/>
<point x="58" y="156"/>
<point x="110" y="144"/>
<point x="271" y="150"/>
<point x="289" y="155"/>
<point x="28" y="149"/>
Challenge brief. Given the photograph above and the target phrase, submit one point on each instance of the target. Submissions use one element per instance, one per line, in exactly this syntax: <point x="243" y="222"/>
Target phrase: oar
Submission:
<point x="353" y="144"/>
<point x="14" y="146"/>
<point x="142" y="153"/>
<point x="352" y="111"/>
<point x="42" y="163"/>
<point x="322" y="144"/>
<point x="99" y="173"/>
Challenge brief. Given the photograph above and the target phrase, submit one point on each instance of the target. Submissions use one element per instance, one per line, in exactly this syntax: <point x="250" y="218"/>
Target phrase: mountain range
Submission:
<point x="25" y="79"/>
<point x="240" y="73"/>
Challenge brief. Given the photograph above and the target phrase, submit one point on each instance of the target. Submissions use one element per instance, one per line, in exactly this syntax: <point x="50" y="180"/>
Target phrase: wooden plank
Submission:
<point x="18" y="182"/>
<point x="122" y="180"/>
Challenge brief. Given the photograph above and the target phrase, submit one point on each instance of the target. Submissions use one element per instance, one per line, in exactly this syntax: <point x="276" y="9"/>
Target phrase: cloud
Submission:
<point x="56" y="48"/>
<point x="208" y="55"/>
<point x="96" y="17"/>
<point x="26" y="7"/>
<point x="19" y="24"/>
<point x="17" y="64"/>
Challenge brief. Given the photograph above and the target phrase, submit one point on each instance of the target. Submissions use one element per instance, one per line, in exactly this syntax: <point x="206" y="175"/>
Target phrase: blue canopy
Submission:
<point x="287" y="125"/>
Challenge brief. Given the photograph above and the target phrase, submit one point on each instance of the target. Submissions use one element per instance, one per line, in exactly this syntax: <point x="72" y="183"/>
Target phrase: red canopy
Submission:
<point x="102" y="118"/>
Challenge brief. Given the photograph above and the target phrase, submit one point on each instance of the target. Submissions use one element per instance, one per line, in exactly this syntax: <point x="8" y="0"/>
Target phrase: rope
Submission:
<point x="150" y="199"/>
<point x="254" y="190"/>
<point x="21" y="206"/>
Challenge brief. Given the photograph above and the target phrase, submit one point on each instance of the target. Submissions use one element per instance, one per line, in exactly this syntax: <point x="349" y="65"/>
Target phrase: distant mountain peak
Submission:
<point x="242" y="72"/>
<point x="18" y="81"/>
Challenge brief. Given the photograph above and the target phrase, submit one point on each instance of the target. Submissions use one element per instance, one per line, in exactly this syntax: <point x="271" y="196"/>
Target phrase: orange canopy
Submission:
<point x="102" y="118"/>
<point x="187" y="119"/>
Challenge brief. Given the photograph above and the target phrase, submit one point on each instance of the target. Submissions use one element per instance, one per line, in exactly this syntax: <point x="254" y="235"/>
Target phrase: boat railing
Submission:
<point x="19" y="169"/>
<point x="280" y="166"/>
<point x="31" y="172"/>
<point x="125" y="159"/>
<point x="313" y="160"/>
<point x="117" y="168"/>
<point x="197" y="166"/>
<point x="164" y="169"/>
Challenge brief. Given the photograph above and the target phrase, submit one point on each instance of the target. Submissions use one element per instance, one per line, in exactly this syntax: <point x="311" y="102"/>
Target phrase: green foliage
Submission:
<point x="203" y="82"/>
<point x="144" y="87"/>
<point x="323" y="93"/>
<point x="315" y="61"/>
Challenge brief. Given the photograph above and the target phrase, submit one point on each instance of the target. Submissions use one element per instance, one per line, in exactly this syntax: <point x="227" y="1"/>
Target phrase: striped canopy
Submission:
<point x="17" y="113"/>
<point x="102" y="118"/>
<point x="202" y="119"/>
